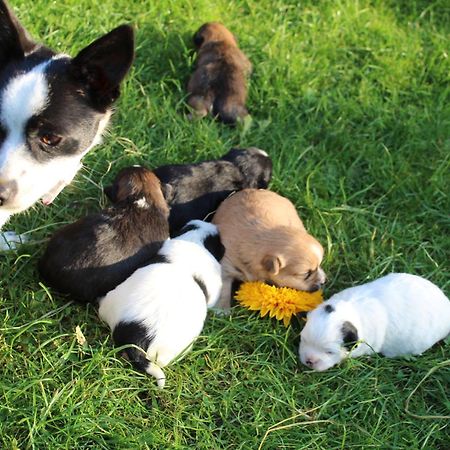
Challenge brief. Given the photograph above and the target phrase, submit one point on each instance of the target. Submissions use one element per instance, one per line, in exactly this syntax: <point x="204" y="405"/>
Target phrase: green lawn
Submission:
<point x="351" y="100"/>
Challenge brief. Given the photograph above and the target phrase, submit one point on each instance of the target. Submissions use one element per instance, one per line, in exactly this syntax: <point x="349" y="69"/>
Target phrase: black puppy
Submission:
<point x="195" y="190"/>
<point x="92" y="256"/>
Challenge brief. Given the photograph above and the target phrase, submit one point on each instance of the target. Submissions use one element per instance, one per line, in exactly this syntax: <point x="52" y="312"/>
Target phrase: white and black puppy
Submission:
<point x="95" y="254"/>
<point x="162" y="307"/>
<point x="195" y="190"/>
<point x="398" y="314"/>
<point x="53" y="109"/>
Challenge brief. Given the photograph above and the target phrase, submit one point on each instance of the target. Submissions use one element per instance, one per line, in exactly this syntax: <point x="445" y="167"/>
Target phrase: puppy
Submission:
<point x="195" y="190"/>
<point x="265" y="240"/>
<point x="53" y="110"/>
<point x="162" y="307"/>
<point x="95" y="254"/>
<point x="398" y="314"/>
<point x="218" y="84"/>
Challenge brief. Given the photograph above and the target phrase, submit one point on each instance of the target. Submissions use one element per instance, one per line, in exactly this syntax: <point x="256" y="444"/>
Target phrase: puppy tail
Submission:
<point x="156" y="372"/>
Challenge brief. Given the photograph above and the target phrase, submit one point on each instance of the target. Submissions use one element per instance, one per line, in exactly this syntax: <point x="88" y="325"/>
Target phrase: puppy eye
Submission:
<point x="50" y="139"/>
<point x="329" y="352"/>
<point x="308" y="274"/>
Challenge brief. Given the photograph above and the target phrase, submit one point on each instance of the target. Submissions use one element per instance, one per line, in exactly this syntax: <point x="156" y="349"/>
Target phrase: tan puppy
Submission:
<point x="218" y="85"/>
<point x="265" y="240"/>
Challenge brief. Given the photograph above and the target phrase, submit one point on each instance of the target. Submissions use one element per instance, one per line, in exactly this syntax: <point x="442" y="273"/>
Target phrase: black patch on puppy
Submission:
<point x="202" y="286"/>
<point x="159" y="259"/>
<point x="349" y="335"/>
<point x="126" y="333"/>
<point x="185" y="229"/>
<point x="329" y="309"/>
<point x="214" y="246"/>
<point x="194" y="191"/>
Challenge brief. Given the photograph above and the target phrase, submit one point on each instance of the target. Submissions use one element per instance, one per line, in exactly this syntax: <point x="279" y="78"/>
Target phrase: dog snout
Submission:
<point x="7" y="191"/>
<point x="311" y="362"/>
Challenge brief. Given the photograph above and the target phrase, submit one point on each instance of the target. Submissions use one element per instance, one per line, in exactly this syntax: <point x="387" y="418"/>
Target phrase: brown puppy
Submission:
<point x="265" y="240"/>
<point x="218" y="84"/>
<point x="93" y="255"/>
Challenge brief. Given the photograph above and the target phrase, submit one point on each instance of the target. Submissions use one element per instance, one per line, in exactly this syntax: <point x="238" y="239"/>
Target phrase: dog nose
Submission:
<point x="315" y="287"/>
<point x="6" y="191"/>
<point x="310" y="362"/>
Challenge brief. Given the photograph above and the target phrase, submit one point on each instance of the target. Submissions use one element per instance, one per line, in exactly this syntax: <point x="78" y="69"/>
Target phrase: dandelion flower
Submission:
<point x="281" y="303"/>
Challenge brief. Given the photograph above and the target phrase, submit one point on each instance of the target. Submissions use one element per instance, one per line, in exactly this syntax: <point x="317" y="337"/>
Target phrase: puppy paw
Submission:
<point x="10" y="240"/>
<point x="221" y="312"/>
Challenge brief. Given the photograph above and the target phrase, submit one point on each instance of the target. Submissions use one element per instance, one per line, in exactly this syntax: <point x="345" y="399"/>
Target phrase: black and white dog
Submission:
<point x="195" y="190"/>
<point x="53" y="109"/>
<point x="162" y="307"/>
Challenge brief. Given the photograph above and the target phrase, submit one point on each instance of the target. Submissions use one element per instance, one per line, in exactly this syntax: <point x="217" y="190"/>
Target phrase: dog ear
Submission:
<point x="103" y="64"/>
<point x="198" y="38"/>
<point x="15" y="40"/>
<point x="111" y="192"/>
<point x="167" y="190"/>
<point x="273" y="263"/>
<point x="349" y="335"/>
<point x="214" y="246"/>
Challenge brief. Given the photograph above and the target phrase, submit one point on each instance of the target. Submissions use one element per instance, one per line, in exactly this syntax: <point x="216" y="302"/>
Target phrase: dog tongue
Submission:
<point x="47" y="200"/>
<point x="50" y="196"/>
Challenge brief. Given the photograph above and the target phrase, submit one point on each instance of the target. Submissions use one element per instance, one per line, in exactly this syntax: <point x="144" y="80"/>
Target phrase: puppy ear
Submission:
<point x="349" y="335"/>
<point x="15" y="40"/>
<point x="214" y="246"/>
<point x="103" y="64"/>
<point x="198" y="38"/>
<point x="111" y="192"/>
<point x="168" y="191"/>
<point x="273" y="263"/>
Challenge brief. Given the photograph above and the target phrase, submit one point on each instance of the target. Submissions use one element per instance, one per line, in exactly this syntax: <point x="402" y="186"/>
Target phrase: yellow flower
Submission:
<point x="281" y="303"/>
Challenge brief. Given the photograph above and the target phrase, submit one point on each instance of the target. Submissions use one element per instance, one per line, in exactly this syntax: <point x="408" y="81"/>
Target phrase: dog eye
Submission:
<point x="50" y="139"/>
<point x="308" y="274"/>
<point x="329" y="352"/>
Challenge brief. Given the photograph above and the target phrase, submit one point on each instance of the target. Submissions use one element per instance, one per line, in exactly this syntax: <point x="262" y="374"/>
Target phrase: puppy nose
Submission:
<point x="6" y="191"/>
<point x="310" y="362"/>
<point x="315" y="287"/>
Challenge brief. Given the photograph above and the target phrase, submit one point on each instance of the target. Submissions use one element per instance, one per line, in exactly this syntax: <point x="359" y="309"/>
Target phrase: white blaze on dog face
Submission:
<point x="34" y="110"/>
<point x="25" y="96"/>
<point x="321" y="340"/>
<point x="53" y="109"/>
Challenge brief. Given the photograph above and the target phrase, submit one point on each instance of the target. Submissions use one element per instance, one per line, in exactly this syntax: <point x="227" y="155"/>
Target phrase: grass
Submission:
<point x="350" y="98"/>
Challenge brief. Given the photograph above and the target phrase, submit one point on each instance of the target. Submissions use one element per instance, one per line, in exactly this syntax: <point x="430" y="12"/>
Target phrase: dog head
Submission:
<point x="136" y="185"/>
<point x="330" y="333"/>
<point x="292" y="260"/>
<point x="213" y="32"/>
<point x="53" y="109"/>
<point x="254" y="163"/>
<point x="204" y="233"/>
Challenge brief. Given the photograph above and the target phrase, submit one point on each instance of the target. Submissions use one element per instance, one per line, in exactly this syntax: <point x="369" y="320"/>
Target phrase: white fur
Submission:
<point x="165" y="298"/>
<point x="27" y="95"/>
<point x="398" y="314"/>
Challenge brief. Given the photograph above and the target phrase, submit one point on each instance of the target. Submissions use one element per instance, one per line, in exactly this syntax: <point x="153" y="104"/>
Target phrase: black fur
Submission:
<point x="81" y="90"/>
<point x="98" y="252"/>
<point x="127" y="333"/>
<point x="329" y="309"/>
<point x="185" y="229"/>
<point x="194" y="191"/>
<point x="349" y="335"/>
<point x="214" y="246"/>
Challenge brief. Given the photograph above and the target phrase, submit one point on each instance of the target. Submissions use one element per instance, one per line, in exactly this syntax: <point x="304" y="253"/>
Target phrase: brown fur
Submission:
<point x="265" y="240"/>
<point x="134" y="182"/>
<point x="218" y="85"/>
